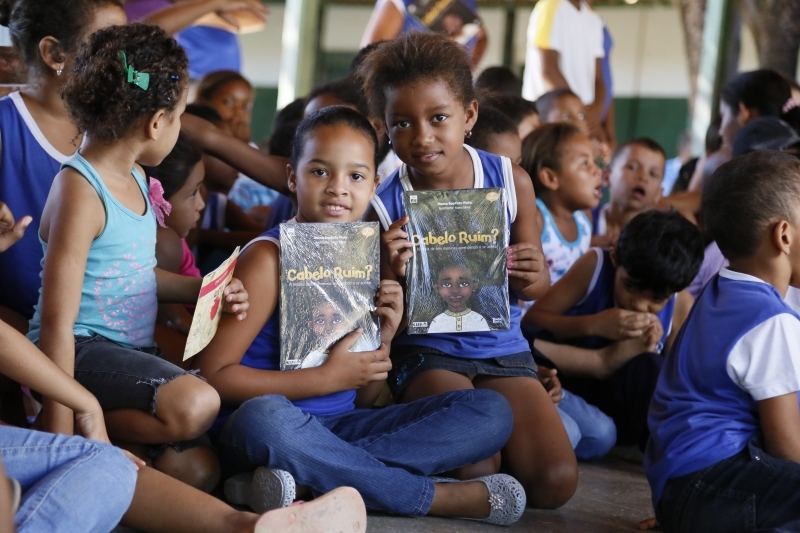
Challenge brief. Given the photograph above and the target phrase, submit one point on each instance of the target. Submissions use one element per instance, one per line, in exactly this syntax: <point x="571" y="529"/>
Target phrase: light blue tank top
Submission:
<point x="118" y="298"/>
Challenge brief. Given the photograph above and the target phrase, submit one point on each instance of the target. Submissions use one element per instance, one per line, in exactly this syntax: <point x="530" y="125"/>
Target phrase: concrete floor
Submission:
<point x="613" y="495"/>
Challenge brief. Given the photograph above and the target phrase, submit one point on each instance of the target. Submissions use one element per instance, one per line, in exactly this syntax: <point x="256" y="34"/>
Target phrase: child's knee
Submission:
<point x="553" y="485"/>
<point x="498" y="415"/>
<point x="116" y="475"/>
<point x="188" y="406"/>
<point x="197" y="467"/>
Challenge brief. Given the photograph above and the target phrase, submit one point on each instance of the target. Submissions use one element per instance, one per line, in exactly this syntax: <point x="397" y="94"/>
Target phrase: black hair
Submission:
<point x="764" y="91"/>
<point x="546" y="102"/>
<point x="490" y="122"/>
<point x="661" y="252"/>
<point x="745" y="196"/>
<point x="713" y="139"/>
<point x="544" y="148"/>
<point x="204" y="111"/>
<point x="282" y="139"/>
<point x="293" y="112"/>
<point x="644" y="142"/>
<point x="332" y="116"/>
<point x="175" y="169"/>
<point x="514" y="107"/>
<point x="347" y="90"/>
<point x="97" y="93"/>
<point x="499" y="80"/>
<point x="30" y="21"/>
<point x="213" y="81"/>
<point x="412" y="58"/>
<point x="355" y="64"/>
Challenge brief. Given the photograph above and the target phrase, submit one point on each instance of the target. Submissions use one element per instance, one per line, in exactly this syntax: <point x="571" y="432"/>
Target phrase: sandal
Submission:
<point x="263" y="490"/>
<point x="506" y="498"/>
<point x="339" y="510"/>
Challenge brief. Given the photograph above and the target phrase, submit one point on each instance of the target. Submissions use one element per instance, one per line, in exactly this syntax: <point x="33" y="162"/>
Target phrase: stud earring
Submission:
<point x="58" y="72"/>
<point x="467" y="134"/>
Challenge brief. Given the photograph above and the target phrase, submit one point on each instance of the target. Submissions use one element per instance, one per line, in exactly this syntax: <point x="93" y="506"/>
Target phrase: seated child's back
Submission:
<point x="725" y="410"/>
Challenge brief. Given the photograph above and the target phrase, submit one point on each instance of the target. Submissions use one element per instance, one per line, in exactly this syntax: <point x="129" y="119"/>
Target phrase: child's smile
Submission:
<point x="427" y="124"/>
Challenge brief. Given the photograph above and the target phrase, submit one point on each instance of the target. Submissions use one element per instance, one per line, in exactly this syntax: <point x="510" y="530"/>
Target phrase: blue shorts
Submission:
<point x="410" y="361"/>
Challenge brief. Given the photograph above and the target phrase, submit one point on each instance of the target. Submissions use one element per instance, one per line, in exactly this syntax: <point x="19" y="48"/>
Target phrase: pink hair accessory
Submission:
<point x="789" y="105"/>
<point x="160" y="206"/>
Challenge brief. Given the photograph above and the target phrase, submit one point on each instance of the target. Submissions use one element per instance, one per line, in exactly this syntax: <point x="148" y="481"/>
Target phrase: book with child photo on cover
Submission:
<point x="455" y="18"/>
<point x="457" y="279"/>
<point x="329" y="278"/>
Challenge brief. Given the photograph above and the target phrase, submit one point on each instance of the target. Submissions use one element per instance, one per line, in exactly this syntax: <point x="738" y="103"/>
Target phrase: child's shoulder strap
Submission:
<point x="597" y="270"/>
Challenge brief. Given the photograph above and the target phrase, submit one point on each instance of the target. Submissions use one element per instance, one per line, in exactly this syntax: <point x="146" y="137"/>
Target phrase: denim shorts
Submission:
<point x="126" y="378"/>
<point x="410" y="361"/>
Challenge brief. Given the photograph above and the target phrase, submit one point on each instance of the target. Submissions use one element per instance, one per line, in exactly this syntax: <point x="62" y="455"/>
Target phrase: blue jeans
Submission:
<point x="386" y="454"/>
<point x="69" y="484"/>
<point x="591" y="432"/>
<point x="749" y="492"/>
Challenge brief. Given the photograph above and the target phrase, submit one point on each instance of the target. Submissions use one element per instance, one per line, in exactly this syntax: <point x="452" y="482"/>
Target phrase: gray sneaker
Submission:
<point x="263" y="490"/>
<point x="506" y="498"/>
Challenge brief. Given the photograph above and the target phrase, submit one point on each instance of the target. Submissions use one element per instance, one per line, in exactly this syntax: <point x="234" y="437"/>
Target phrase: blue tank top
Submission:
<point x="699" y="415"/>
<point x="490" y="171"/>
<point x="28" y="164"/>
<point x="265" y="354"/>
<point x="559" y="253"/>
<point x="600" y="297"/>
<point x="118" y="298"/>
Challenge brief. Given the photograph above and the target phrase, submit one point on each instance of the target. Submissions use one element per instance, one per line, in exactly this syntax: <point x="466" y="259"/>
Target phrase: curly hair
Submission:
<point x="412" y="58"/>
<point x="544" y="148"/>
<point x="30" y="21"/>
<point x="97" y="93"/>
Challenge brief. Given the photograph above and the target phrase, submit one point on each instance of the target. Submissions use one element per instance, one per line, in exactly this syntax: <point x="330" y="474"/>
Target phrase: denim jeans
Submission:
<point x="591" y="432"/>
<point x="386" y="454"/>
<point x="69" y="484"/>
<point x="749" y="492"/>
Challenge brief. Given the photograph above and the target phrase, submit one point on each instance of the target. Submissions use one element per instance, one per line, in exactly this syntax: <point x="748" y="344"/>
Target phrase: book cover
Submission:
<point x="451" y="17"/>
<point x="208" y="311"/>
<point x="329" y="278"/>
<point x="457" y="280"/>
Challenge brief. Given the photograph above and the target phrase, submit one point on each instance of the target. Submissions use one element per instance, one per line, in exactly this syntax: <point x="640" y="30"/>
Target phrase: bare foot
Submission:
<point x="649" y="524"/>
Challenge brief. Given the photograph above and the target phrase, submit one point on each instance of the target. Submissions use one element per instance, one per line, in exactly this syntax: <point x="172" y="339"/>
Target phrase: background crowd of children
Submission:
<point x="646" y="310"/>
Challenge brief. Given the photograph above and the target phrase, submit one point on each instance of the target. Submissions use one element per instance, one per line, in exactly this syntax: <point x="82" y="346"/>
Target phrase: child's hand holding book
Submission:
<point x="398" y="247"/>
<point x="346" y="370"/>
<point x="389" y="307"/>
<point x="235" y="298"/>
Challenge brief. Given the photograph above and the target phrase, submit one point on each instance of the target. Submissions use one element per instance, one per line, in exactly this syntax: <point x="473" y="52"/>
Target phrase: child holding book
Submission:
<point x="421" y="86"/>
<point x="725" y="424"/>
<point x="97" y="307"/>
<point x="632" y="294"/>
<point x="634" y="176"/>
<point x="305" y="421"/>
<point x="71" y="482"/>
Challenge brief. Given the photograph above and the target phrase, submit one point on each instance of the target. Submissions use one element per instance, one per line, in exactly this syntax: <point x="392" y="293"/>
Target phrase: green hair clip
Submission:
<point x="140" y="79"/>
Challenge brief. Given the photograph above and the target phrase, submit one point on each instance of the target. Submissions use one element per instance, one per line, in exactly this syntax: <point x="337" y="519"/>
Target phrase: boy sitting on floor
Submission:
<point x="633" y="295"/>
<point x="725" y="422"/>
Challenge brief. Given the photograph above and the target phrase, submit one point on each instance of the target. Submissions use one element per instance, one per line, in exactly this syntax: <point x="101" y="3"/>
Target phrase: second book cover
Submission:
<point x="329" y="277"/>
<point x="457" y="279"/>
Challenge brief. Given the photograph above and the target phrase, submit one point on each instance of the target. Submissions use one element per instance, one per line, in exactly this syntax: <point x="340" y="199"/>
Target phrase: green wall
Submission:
<point x="663" y="119"/>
